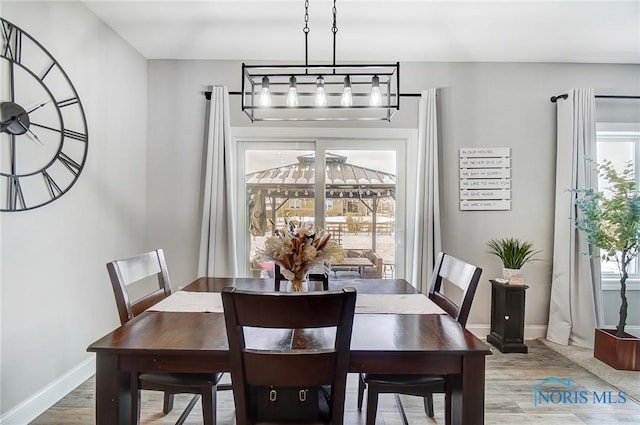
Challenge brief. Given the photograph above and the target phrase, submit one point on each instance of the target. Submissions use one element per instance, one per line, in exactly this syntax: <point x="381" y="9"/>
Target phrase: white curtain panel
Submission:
<point x="217" y="237"/>
<point x="427" y="243"/>
<point x="575" y="307"/>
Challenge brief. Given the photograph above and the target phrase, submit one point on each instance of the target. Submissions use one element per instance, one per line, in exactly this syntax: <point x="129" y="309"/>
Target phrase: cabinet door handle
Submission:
<point x="506" y="317"/>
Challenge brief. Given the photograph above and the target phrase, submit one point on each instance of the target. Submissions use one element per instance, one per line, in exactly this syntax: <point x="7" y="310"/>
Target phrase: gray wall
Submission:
<point x="481" y="104"/>
<point x="56" y="295"/>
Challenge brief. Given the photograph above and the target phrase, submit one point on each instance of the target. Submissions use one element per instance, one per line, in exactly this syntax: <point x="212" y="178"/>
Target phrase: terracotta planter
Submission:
<point x="619" y="353"/>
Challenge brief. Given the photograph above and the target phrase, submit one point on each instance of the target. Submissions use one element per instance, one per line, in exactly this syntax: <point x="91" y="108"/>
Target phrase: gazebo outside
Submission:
<point x="359" y="209"/>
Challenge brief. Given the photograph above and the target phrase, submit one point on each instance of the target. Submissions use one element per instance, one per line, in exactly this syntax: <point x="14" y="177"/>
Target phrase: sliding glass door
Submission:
<point x="354" y="198"/>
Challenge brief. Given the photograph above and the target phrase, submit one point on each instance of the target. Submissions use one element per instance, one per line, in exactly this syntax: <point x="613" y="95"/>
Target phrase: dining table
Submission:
<point x="401" y="338"/>
<point x="361" y="263"/>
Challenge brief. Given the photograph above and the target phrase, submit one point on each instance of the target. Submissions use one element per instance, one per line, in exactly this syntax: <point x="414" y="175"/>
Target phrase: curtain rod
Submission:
<point x="207" y="94"/>
<point x="554" y="99"/>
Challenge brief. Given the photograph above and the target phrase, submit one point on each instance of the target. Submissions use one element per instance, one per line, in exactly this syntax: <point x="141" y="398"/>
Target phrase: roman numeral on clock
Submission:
<point x="12" y="42"/>
<point x="54" y="189"/>
<point x="67" y="102"/>
<point x="65" y="132"/>
<point x="71" y="165"/>
<point x="15" y="194"/>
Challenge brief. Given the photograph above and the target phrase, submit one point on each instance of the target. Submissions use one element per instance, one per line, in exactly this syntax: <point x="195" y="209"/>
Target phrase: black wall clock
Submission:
<point x="43" y="128"/>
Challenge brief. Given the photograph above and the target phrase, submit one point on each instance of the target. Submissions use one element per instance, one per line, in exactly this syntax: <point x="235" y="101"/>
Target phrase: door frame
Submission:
<point x="403" y="141"/>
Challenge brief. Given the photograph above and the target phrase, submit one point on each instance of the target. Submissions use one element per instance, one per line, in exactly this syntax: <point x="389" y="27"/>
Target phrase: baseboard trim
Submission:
<point x="530" y="332"/>
<point x="37" y="404"/>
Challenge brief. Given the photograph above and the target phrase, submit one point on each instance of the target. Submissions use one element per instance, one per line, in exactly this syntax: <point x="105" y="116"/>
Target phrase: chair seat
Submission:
<point x="376" y="379"/>
<point x="181" y="380"/>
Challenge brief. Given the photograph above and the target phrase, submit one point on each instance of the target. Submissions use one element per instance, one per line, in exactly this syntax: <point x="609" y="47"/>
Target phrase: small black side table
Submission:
<point x="507" y="317"/>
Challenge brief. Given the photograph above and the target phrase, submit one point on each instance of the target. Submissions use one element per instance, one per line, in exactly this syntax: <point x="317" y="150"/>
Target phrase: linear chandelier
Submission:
<point x="364" y="92"/>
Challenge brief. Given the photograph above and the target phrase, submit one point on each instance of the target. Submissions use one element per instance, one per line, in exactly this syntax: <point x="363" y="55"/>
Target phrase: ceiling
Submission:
<point x="380" y="30"/>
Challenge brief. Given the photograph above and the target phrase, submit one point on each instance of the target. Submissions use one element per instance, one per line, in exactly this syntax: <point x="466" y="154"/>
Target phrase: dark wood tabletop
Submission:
<point x="381" y="343"/>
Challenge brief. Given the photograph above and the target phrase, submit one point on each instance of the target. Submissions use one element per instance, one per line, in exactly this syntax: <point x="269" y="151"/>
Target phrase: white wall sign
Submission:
<point x="485" y="184"/>
<point x="485" y="194"/>
<point x="484" y="152"/>
<point x="485" y="179"/>
<point x="485" y="173"/>
<point x="485" y="205"/>
<point x="485" y="162"/>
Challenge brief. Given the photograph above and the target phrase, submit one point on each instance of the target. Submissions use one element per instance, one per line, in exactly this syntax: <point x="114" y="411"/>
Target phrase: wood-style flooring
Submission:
<point x="509" y="399"/>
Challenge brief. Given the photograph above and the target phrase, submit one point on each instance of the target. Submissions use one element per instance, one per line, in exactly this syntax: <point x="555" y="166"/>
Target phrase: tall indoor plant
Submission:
<point x="611" y="221"/>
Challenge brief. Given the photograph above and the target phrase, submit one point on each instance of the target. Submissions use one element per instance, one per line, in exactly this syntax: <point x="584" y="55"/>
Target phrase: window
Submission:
<point x="352" y="207"/>
<point x="618" y="144"/>
<point x="295" y="204"/>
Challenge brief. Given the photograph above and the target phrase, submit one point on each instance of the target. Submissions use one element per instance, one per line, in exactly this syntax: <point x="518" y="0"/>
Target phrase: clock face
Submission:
<point x="43" y="130"/>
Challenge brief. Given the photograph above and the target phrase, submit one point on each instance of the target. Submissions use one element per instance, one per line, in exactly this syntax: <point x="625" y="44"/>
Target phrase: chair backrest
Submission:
<point x="463" y="275"/>
<point x="320" y="277"/>
<point x="130" y="270"/>
<point x="259" y="360"/>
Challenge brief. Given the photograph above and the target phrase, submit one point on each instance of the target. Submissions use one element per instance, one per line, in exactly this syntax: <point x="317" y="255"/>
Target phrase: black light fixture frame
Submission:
<point x="333" y="76"/>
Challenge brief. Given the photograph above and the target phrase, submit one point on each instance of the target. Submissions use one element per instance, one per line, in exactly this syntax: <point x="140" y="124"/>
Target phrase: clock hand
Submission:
<point x="29" y="131"/>
<point x="38" y="107"/>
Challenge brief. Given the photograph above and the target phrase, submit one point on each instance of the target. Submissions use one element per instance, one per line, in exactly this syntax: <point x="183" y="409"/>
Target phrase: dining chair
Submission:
<point x="310" y="354"/>
<point x="456" y="273"/>
<point x="144" y="269"/>
<point x="319" y="277"/>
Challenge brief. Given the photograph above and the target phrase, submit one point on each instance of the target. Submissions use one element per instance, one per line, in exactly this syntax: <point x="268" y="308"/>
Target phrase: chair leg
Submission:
<point x="135" y="399"/>
<point x="403" y="414"/>
<point x="168" y="403"/>
<point x="447" y="409"/>
<point x="209" y="397"/>
<point x="361" y="386"/>
<point x="188" y="409"/>
<point x="452" y="399"/>
<point x="428" y="405"/>
<point x="372" y="404"/>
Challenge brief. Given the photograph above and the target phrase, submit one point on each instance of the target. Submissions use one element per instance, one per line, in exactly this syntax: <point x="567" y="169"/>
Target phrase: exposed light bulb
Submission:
<point x="321" y="94"/>
<point x="376" y="95"/>
<point x="265" y="94"/>
<point x="292" y="96"/>
<point x="347" y="96"/>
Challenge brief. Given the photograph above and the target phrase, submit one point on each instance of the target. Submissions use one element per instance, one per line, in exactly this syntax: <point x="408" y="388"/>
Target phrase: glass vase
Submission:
<point x="298" y="284"/>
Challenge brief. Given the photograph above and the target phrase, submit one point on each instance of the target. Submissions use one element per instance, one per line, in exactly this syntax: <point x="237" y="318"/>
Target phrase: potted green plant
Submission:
<point x="610" y="221"/>
<point x="514" y="253"/>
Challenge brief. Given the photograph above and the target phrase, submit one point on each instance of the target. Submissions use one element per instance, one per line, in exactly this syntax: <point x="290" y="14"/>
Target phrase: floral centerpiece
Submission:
<point x="297" y="248"/>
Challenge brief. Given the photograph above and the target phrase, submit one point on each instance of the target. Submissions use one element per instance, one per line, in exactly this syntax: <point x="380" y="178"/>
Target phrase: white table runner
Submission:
<point x="211" y="302"/>
<point x="396" y="304"/>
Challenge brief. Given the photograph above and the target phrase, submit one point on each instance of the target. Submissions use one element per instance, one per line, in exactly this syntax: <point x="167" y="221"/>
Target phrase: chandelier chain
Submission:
<point x="306" y="32"/>
<point x="334" y="30"/>
<point x="306" y="16"/>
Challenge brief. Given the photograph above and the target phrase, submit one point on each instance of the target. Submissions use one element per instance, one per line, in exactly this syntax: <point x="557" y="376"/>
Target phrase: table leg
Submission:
<point x="473" y="383"/>
<point x="113" y="400"/>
